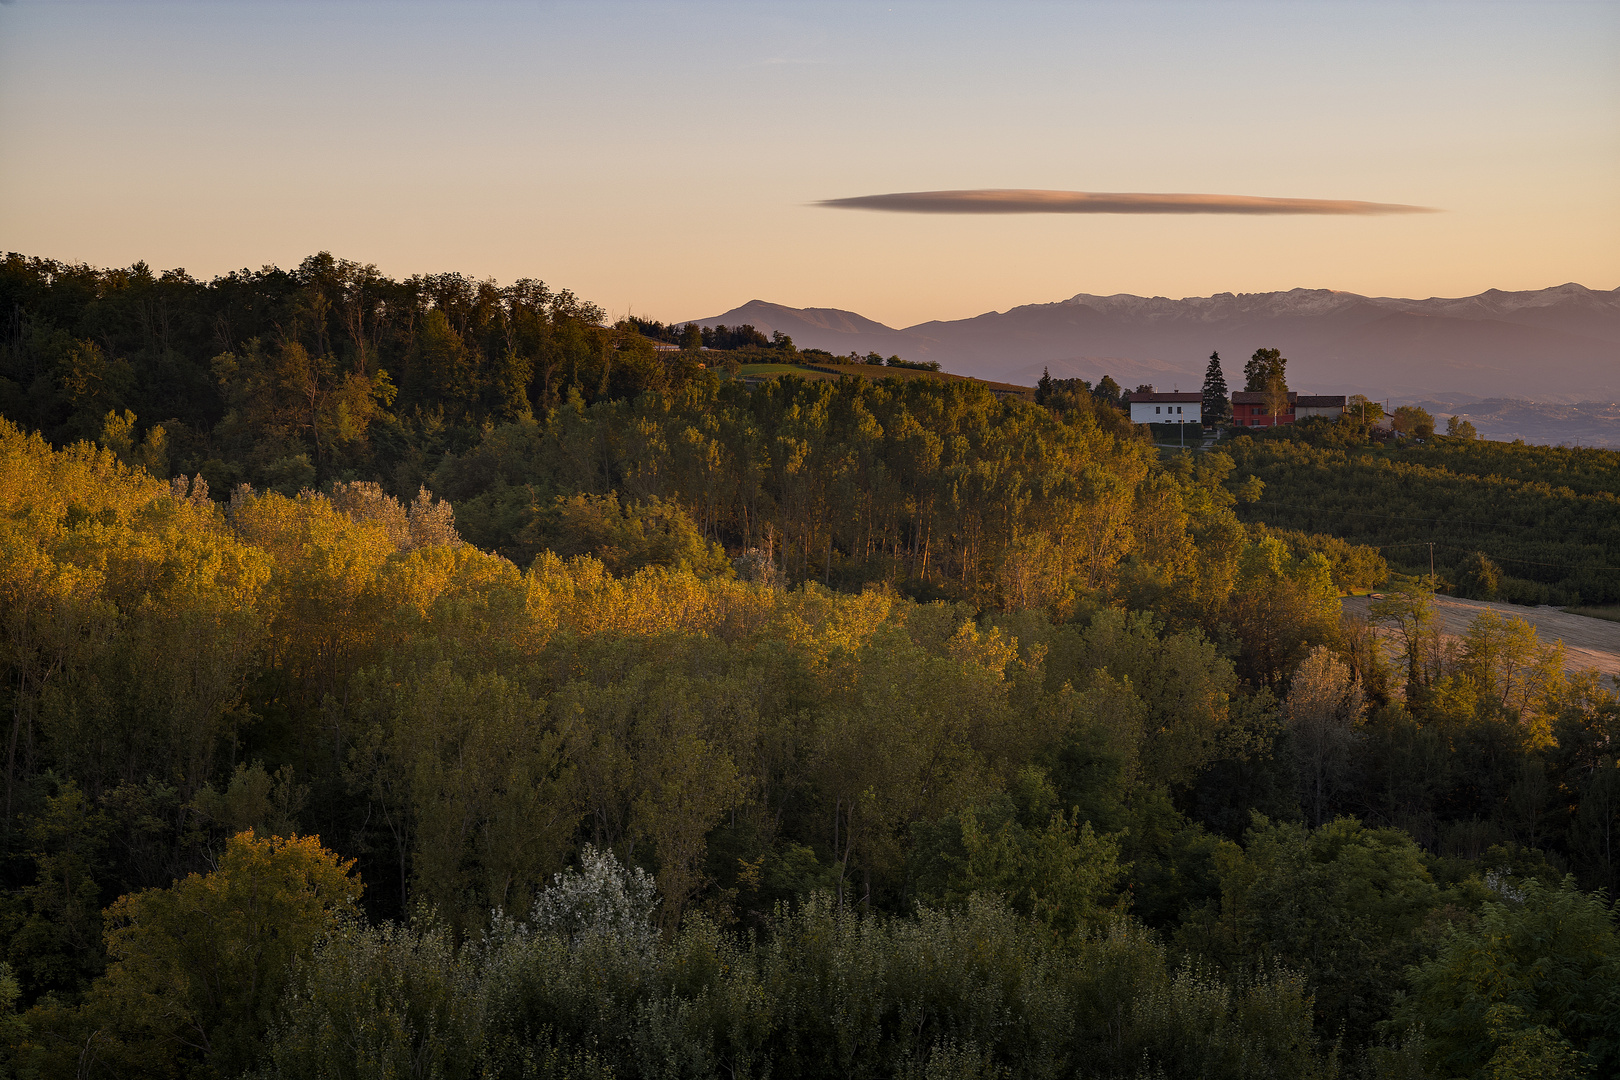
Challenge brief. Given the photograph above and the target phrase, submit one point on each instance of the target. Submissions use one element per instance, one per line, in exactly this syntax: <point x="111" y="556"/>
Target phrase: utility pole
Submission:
<point x="1431" y="565"/>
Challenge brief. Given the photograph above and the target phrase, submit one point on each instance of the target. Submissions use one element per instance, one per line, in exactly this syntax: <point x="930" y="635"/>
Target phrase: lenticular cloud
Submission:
<point x="1027" y="201"/>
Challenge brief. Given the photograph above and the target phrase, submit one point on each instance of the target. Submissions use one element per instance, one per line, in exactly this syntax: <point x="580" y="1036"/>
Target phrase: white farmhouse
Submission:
<point x="1167" y="408"/>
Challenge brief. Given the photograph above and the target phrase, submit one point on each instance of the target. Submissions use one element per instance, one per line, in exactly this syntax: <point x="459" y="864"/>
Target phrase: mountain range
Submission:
<point x="1558" y="345"/>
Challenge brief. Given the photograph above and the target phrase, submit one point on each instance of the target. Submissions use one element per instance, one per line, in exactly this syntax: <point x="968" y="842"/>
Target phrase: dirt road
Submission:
<point x="1588" y="642"/>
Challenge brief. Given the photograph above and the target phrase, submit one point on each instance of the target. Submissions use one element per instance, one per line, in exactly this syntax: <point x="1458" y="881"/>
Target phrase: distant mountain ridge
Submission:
<point x="1558" y="345"/>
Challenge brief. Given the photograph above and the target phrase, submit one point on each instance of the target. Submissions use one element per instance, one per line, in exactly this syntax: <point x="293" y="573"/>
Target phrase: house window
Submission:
<point x="1155" y="410"/>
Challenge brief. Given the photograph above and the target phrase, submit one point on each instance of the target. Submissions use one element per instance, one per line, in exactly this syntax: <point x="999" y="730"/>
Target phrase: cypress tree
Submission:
<point x="1217" y="407"/>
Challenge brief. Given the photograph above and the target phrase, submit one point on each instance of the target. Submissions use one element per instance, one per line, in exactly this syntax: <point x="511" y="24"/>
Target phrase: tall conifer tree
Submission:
<point x="1217" y="407"/>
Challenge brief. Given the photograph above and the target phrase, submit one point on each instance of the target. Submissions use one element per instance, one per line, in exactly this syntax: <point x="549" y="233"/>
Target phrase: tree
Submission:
<point x="1107" y="390"/>
<point x="1458" y="428"/>
<point x="440" y="369"/>
<point x="1363" y="410"/>
<point x="1283" y="605"/>
<point x="1064" y="876"/>
<point x="1408" y="610"/>
<point x="118" y="435"/>
<point x="196" y="969"/>
<point x="1478" y="577"/>
<point x="1217" y="407"/>
<point x="1258" y="370"/>
<point x="1325" y="703"/>
<point x="1414" y="421"/>
<point x="1534" y="984"/>
<point x="389" y="1001"/>
<point x="603" y="899"/>
<point x="1507" y="662"/>
<point x="1345" y="903"/>
<point x="1266" y="373"/>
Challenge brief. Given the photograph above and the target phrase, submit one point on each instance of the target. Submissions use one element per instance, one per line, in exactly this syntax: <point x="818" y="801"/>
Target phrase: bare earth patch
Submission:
<point x="1588" y="643"/>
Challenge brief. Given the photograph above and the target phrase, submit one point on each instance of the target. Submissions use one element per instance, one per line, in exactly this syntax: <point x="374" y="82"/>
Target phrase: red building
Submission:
<point x="1249" y="408"/>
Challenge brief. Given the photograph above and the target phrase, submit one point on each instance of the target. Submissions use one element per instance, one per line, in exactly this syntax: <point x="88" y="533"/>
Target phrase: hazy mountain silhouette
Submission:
<point x="1556" y="345"/>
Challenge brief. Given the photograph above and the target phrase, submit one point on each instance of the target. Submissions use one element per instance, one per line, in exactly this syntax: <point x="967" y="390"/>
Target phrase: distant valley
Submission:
<point x="1553" y="347"/>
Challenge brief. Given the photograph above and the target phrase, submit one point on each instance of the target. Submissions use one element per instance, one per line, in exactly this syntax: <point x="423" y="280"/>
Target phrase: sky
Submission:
<point x="667" y="159"/>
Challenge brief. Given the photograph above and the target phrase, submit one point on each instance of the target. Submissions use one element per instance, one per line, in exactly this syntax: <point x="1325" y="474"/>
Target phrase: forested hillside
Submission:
<point x="298" y="378"/>
<point x="672" y="727"/>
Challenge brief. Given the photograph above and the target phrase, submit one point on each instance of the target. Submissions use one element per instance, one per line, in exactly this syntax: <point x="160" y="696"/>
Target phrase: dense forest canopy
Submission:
<point x="456" y="687"/>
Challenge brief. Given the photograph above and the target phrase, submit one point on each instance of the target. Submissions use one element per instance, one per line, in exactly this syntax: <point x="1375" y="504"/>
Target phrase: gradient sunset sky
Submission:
<point x="666" y="158"/>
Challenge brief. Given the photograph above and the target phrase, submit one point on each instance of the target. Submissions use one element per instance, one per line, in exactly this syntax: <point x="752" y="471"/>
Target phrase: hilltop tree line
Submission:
<point x="756" y="347"/>
<point x="301" y="378"/>
<point x="718" y="337"/>
<point x="878" y="729"/>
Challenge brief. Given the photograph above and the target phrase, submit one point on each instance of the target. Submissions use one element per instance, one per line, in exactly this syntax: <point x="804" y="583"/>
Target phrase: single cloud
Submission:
<point x="1027" y="201"/>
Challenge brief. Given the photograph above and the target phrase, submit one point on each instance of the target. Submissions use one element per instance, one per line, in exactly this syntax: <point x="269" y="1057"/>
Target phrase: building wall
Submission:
<point x="1256" y="416"/>
<point x="1142" y="413"/>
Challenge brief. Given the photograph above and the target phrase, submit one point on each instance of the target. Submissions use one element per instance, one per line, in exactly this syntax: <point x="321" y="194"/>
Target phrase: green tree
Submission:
<point x="1361" y="409"/>
<point x="1458" y="428"/>
<point x="1282" y="606"/>
<point x="1324" y="707"/>
<point x="1217" y="406"/>
<point x="1266" y="373"/>
<point x="478" y="796"/>
<point x="57" y="946"/>
<point x="389" y="1001"/>
<point x="1413" y="420"/>
<point x="1064" y="875"/>
<point x="90" y="384"/>
<point x="1408" y="610"/>
<point x="1478" y="577"/>
<point x="196" y="969"/>
<point x="1257" y="372"/>
<point x="1531" y="988"/>
<point x="1345" y="904"/>
<point x="440" y="370"/>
